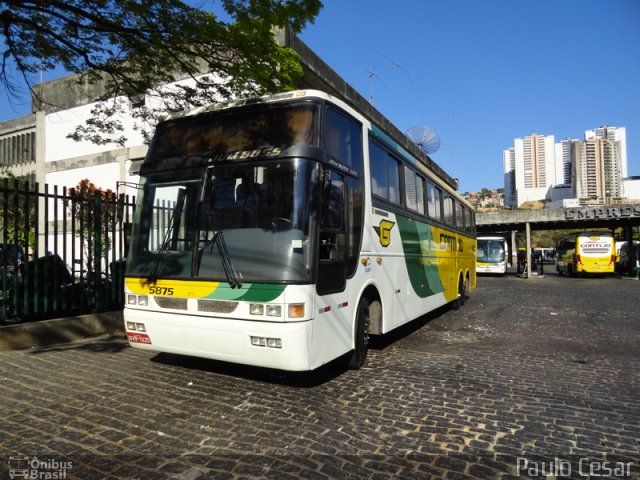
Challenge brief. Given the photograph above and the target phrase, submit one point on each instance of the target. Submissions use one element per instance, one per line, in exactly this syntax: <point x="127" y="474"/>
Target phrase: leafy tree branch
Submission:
<point x="139" y="47"/>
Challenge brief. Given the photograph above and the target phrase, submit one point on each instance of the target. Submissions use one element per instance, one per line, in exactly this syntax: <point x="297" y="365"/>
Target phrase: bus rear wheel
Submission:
<point x="358" y="356"/>
<point x="463" y="288"/>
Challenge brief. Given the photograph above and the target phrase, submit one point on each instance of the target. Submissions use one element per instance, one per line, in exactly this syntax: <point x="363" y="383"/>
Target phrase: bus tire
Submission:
<point x="358" y="356"/>
<point x="463" y="287"/>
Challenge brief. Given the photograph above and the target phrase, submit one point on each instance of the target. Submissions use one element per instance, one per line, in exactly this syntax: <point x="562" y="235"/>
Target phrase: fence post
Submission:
<point x="16" y="226"/>
<point x="5" y="255"/>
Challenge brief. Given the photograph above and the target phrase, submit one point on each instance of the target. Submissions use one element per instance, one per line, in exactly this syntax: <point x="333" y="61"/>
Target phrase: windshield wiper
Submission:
<point x="175" y="219"/>
<point x="234" y="278"/>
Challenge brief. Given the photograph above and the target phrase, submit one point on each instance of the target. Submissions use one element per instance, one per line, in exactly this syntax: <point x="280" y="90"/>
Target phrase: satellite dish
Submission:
<point x="426" y="139"/>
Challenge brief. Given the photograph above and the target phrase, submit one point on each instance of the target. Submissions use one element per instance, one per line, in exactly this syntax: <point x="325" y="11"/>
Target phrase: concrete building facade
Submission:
<point x="564" y="161"/>
<point x="597" y="170"/>
<point x="613" y="134"/>
<point x="509" y="165"/>
<point x="534" y="167"/>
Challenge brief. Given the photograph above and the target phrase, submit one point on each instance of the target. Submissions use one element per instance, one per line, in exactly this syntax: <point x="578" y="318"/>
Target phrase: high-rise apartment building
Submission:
<point x="597" y="167"/>
<point x="534" y="162"/>
<point x="536" y="168"/>
<point x="509" y="165"/>
<point x="613" y="134"/>
<point x="563" y="161"/>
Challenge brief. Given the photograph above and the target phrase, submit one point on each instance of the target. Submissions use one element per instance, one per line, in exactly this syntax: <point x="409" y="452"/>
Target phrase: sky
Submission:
<point x="482" y="73"/>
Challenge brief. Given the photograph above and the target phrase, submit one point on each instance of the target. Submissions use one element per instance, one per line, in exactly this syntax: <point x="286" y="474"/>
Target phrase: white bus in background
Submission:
<point x="491" y="255"/>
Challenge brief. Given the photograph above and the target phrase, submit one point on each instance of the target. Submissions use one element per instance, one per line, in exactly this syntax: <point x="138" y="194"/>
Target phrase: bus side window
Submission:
<point x="385" y="174"/>
<point x="460" y="219"/>
<point x="343" y="139"/>
<point x="434" y="203"/>
<point x="449" y="214"/>
<point x="333" y="213"/>
<point x="414" y="191"/>
<point x="332" y="247"/>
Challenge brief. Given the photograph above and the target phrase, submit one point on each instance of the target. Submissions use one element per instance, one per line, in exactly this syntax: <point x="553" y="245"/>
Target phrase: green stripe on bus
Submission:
<point x="252" y="292"/>
<point x="421" y="261"/>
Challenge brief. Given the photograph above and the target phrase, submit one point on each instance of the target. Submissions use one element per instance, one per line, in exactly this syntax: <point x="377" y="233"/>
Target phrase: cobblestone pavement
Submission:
<point x="531" y="378"/>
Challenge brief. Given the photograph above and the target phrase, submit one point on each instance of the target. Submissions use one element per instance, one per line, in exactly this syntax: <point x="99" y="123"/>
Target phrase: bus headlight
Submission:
<point x="141" y="300"/>
<point x="256" y="309"/>
<point x="266" y="342"/>
<point x="274" y="310"/>
<point x="136" y="326"/>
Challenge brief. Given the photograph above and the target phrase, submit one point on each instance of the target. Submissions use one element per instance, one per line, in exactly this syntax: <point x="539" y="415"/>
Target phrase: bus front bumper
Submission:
<point x="490" y="269"/>
<point x="282" y="346"/>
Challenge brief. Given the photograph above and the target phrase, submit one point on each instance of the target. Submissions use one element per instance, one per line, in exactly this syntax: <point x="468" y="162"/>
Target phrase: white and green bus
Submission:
<point x="492" y="255"/>
<point x="282" y="231"/>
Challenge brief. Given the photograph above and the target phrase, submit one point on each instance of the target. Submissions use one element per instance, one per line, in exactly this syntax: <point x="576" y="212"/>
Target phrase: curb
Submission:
<point x="60" y="330"/>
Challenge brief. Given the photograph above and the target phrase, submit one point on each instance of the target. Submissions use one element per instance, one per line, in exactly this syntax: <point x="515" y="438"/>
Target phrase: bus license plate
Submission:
<point x="139" y="338"/>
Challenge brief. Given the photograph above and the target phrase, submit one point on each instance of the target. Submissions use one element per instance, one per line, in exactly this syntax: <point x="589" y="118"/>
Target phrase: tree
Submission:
<point x="17" y="222"/>
<point x="135" y="46"/>
<point x="94" y="214"/>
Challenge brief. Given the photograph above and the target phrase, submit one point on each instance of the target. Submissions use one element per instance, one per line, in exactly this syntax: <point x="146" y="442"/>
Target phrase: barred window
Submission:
<point x="414" y="186"/>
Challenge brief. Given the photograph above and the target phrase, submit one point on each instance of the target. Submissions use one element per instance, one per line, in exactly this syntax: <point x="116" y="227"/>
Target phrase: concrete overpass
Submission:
<point x="510" y="222"/>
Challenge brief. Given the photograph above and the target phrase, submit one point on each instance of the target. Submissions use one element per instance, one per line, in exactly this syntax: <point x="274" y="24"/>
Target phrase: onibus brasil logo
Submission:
<point x="35" y="468"/>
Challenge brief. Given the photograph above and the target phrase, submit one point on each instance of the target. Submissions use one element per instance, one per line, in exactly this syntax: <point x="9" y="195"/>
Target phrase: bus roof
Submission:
<point x="427" y="167"/>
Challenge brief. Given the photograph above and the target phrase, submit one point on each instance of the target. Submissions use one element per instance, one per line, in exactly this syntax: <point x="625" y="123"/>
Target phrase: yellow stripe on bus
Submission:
<point x="176" y="288"/>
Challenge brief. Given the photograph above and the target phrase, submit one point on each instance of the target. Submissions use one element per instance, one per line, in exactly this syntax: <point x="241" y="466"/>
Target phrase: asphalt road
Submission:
<point x="530" y="378"/>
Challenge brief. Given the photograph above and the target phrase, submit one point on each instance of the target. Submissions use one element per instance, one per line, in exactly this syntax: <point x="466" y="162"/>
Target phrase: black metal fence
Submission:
<point x="62" y="251"/>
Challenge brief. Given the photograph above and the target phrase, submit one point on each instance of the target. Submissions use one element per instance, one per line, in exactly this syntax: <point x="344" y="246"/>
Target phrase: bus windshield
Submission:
<point x="490" y="251"/>
<point x="262" y="211"/>
<point x="231" y="136"/>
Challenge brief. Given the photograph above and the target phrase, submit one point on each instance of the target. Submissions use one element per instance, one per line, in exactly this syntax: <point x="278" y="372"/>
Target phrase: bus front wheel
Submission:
<point x="359" y="355"/>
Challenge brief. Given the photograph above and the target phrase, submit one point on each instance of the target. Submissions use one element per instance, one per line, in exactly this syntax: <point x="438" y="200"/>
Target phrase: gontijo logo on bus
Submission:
<point x="596" y="247"/>
<point x="384" y="232"/>
<point x="596" y="244"/>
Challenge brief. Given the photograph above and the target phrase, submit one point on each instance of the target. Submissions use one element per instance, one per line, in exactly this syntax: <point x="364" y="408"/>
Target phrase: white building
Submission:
<point x="535" y="170"/>
<point x="631" y="188"/>
<point x="509" y="165"/>
<point x="614" y="134"/>
<point x="564" y="161"/>
<point x="597" y="170"/>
